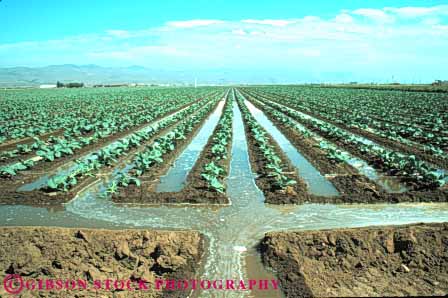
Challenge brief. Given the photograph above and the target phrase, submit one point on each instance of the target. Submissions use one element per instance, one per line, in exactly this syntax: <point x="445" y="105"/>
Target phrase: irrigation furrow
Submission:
<point x="203" y="166"/>
<point x="67" y="177"/>
<point x="430" y="153"/>
<point x="89" y="142"/>
<point x="388" y="183"/>
<point x="409" y="168"/>
<point x="175" y="177"/>
<point x="318" y="184"/>
<point x="131" y="169"/>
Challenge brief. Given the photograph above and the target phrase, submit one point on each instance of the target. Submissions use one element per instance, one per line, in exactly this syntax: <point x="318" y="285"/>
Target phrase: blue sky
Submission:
<point x="299" y="40"/>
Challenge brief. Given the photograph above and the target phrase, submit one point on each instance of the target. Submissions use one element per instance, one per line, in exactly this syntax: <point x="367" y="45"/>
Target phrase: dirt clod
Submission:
<point x="373" y="261"/>
<point x="90" y="255"/>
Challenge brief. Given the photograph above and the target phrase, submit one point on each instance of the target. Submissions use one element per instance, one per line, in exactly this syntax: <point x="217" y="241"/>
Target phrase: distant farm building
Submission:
<point x="47" y="86"/>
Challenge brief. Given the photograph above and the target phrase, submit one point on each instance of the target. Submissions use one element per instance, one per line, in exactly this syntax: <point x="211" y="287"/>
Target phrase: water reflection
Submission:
<point x="317" y="183"/>
<point x="174" y="180"/>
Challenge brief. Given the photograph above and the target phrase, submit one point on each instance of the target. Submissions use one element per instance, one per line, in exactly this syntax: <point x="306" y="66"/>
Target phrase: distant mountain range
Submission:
<point x="94" y="74"/>
<point x="88" y="74"/>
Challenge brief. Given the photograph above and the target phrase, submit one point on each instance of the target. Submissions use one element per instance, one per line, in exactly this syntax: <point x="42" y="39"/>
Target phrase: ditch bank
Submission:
<point x="90" y="254"/>
<point x="408" y="260"/>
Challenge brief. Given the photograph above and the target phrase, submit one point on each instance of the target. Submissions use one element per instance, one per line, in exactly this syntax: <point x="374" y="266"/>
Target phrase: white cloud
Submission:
<point x="344" y="18"/>
<point x="310" y="19"/>
<point x="257" y="33"/>
<point x="239" y="32"/>
<point x="412" y="12"/>
<point x="348" y="39"/>
<point x="442" y="29"/>
<point x="193" y="23"/>
<point x="275" y="23"/>
<point x="377" y="15"/>
<point x="118" y="33"/>
<point x="305" y="52"/>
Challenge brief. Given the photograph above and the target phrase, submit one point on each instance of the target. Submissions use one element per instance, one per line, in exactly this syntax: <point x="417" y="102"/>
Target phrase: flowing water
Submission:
<point x="233" y="231"/>
<point x="174" y="179"/>
<point x="361" y="139"/>
<point x="388" y="183"/>
<point x="318" y="184"/>
<point x="71" y="166"/>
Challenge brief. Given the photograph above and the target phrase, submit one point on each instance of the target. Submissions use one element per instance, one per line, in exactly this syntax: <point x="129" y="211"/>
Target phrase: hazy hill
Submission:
<point x="94" y="74"/>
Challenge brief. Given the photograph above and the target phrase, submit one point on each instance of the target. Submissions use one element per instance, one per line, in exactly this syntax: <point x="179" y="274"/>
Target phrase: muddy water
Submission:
<point x="317" y="183"/>
<point x="389" y="184"/>
<point x="175" y="177"/>
<point x="233" y="231"/>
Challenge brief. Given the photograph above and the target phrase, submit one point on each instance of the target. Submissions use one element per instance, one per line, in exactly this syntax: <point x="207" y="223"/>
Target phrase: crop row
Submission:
<point x="273" y="166"/>
<point x="333" y="152"/>
<point x="154" y="153"/>
<point x="64" y="180"/>
<point x="418" y="109"/>
<point x="35" y="112"/>
<point x="85" y="132"/>
<point x="430" y="135"/>
<point x="396" y="163"/>
<point x="214" y="172"/>
<point x="59" y="147"/>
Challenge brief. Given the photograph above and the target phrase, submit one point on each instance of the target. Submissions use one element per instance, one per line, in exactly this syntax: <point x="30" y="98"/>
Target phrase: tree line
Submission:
<point x="69" y="85"/>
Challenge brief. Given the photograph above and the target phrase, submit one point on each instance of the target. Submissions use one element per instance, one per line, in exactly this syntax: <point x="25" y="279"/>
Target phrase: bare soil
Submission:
<point x="88" y="254"/>
<point x="408" y="260"/>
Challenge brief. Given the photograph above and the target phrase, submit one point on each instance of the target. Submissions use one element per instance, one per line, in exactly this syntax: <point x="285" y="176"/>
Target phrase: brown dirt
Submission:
<point x="407" y="260"/>
<point x="195" y="190"/>
<point x="8" y="187"/>
<point x="60" y="253"/>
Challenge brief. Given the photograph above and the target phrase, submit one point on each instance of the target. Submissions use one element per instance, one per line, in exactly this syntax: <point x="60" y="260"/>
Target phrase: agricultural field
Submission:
<point x="230" y="164"/>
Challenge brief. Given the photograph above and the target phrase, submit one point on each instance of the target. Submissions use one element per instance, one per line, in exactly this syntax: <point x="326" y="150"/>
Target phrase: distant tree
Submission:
<point x="74" y="85"/>
<point x="59" y="85"/>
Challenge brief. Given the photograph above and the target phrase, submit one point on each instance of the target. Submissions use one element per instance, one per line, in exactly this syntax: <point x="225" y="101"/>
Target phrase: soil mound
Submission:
<point x="72" y="254"/>
<point x="405" y="260"/>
